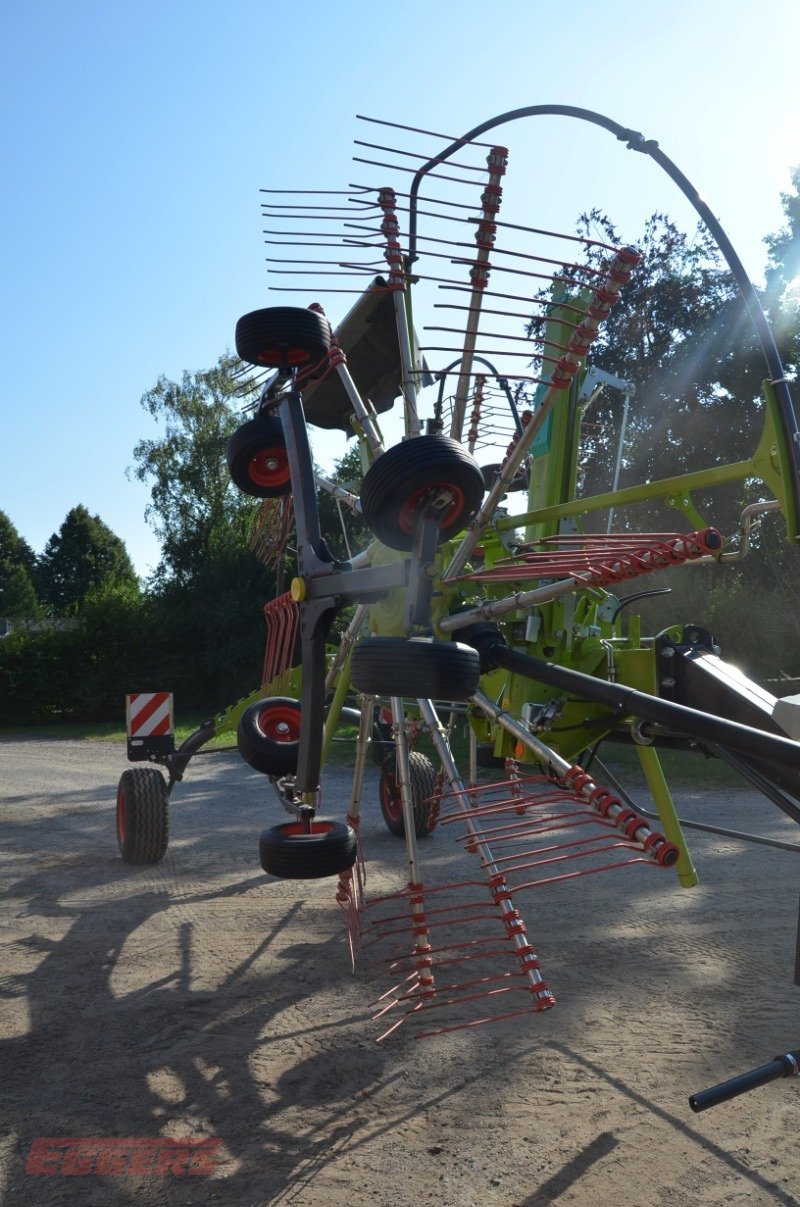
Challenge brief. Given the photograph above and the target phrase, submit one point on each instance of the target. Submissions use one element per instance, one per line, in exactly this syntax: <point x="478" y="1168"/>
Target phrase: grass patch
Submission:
<point x="106" y="731"/>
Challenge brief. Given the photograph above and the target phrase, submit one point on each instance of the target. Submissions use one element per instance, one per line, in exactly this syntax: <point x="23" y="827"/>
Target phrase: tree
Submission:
<point x="195" y="509"/>
<point x="782" y="276"/>
<point x="17" y="592"/>
<point x="210" y="588"/>
<point x="14" y="549"/>
<point x="17" y="569"/>
<point x="344" y="530"/>
<point x="681" y="336"/>
<point x="84" y="553"/>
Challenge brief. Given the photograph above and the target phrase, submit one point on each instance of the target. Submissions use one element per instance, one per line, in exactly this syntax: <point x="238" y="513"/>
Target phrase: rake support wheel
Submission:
<point x="283" y="337"/>
<point x="268" y="735"/>
<point x="295" y="853"/>
<point x="422" y="782"/>
<point x="415" y="667"/>
<point x="422" y="473"/>
<point x="257" y="458"/>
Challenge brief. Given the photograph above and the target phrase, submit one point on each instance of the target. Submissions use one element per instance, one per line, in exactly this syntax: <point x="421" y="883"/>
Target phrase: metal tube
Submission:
<point x="620" y="448"/>
<point x="659" y="790"/>
<point x="402" y="775"/>
<point x="362" y="743"/>
<point x="535" y="978"/>
<point x="782" y="1066"/>
<point x="480" y="275"/>
<point x="346" y="643"/>
<point x="368" y="426"/>
<point x="409" y="381"/>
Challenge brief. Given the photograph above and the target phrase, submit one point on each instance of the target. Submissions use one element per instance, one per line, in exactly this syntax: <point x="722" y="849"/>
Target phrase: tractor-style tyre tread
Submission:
<point x="283" y="337"/>
<point x="292" y="853"/>
<point x="399" y="482"/>
<point x="142" y="815"/>
<point x="257" y="459"/>
<point x="268" y="735"/>
<point x="422" y="782"/>
<point x="415" y="668"/>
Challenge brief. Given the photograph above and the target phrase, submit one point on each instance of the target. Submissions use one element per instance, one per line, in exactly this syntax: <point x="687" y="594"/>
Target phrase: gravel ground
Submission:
<point x="200" y="998"/>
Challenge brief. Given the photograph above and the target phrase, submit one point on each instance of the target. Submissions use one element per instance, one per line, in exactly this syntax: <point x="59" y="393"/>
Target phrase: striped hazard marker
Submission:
<point x="148" y="714"/>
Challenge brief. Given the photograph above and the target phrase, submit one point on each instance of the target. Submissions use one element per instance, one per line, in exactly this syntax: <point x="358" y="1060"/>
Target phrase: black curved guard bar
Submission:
<point x="782" y="1066"/>
<point x="625" y="701"/>
<point x="501" y="381"/>
<point x="635" y="141"/>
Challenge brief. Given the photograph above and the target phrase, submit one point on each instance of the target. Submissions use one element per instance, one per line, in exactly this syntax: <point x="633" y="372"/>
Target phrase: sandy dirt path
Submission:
<point x="200" y="998"/>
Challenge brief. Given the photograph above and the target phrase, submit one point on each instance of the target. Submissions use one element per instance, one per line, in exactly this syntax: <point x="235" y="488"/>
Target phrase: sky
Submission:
<point x="135" y="140"/>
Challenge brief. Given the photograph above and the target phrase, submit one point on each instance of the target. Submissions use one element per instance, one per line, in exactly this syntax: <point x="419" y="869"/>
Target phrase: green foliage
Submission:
<point x="194" y="505"/>
<point x="14" y="549"/>
<point x="681" y="337"/>
<point x="210" y="639"/>
<point x="343" y="529"/>
<point x="82" y="555"/>
<point x="17" y="568"/>
<point x="782" y="292"/>
<point x="17" y="593"/>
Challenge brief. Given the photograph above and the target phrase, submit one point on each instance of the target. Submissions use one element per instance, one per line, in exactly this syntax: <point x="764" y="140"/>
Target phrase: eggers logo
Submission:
<point x="115" y="1157"/>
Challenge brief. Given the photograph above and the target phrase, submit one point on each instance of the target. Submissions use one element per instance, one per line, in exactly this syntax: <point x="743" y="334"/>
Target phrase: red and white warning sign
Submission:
<point x="149" y="714"/>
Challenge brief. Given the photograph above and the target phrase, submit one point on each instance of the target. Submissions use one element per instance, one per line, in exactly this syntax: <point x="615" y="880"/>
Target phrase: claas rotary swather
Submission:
<point x="489" y="590"/>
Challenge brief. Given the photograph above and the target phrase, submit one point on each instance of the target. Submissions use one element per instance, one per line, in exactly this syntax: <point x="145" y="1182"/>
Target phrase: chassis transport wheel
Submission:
<point x="414" y="474"/>
<point x="268" y="735"/>
<point x="415" y="667"/>
<point x="283" y="336"/>
<point x="257" y="458"/>
<point x="142" y="815"/>
<point x="293" y="853"/>
<point x="422" y="781"/>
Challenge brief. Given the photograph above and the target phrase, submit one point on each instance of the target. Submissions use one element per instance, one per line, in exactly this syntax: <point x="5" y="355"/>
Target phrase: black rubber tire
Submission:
<point x="422" y="781"/>
<point x="415" y="667"/>
<point x="268" y="735"/>
<point x="399" y="483"/>
<point x="518" y="482"/>
<point x="283" y="337"/>
<point x="290" y="852"/>
<point x="142" y="815"/>
<point x="257" y="458"/>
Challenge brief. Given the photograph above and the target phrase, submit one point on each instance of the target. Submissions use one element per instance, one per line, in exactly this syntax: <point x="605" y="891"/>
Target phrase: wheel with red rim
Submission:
<point x="428" y="473"/>
<point x="285" y="337"/>
<point x="422" y="783"/>
<point x="142" y="815"/>
<point x="295" y="851"/>
<point x="257" y="458"/>
<point x="268" y="735"/>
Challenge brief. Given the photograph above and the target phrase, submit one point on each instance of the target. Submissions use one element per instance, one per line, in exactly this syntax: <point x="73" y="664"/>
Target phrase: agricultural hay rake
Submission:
<point x="494" y="587"/>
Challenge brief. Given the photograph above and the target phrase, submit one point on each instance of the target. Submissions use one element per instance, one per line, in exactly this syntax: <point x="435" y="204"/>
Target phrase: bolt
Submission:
<point x="667" y="682"/>
<point x="667" y="652"/>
